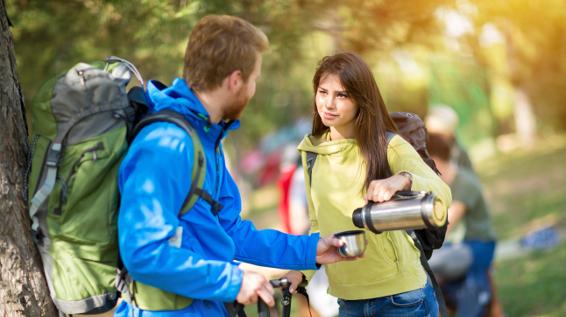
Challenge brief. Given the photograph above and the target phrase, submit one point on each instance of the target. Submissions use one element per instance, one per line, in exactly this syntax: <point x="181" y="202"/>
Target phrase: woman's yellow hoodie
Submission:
<point x="391" y="262"/>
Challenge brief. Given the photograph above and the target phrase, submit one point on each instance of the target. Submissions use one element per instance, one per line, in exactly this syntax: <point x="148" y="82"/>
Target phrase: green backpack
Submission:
<point x="82" y="122"/>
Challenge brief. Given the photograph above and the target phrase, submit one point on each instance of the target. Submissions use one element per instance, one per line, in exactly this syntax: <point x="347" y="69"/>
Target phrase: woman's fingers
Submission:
<point x="382" y="190"/>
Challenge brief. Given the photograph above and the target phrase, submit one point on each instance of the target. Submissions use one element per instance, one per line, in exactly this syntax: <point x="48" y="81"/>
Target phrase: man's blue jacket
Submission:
<point x="154" y="180"/>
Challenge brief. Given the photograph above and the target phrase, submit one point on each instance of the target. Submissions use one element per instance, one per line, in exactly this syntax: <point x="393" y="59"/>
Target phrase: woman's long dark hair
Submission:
<point x="372" y="120"/>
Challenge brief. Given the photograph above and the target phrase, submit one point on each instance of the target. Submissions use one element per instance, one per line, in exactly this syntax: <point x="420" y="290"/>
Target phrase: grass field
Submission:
<point x="526" y="189"/>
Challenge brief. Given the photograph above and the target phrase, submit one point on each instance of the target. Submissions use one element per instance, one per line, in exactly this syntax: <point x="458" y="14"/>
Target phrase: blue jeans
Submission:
<point x="418" y="303"/>
<point x="472" y="293"/>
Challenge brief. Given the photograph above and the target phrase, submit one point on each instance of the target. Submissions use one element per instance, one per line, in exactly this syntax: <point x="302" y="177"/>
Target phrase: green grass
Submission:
<point x="534" y="286"/>
<point x="526" y="185"/>
<point x="527" y="189"/>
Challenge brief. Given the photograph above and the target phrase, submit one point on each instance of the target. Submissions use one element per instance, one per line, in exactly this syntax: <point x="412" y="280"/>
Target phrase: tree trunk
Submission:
<point x="23" y="290"/>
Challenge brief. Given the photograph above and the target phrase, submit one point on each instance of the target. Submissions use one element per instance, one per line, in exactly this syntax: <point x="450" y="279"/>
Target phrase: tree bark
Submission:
<point x="23" y="290"/>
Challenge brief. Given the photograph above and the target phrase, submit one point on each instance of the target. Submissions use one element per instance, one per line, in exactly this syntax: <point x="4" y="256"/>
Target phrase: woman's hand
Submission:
<point x="383" y="189"/>
<point x="295" y="278"/>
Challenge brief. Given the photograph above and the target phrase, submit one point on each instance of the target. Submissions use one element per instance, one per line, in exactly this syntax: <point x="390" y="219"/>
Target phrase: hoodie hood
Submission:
<point x="180" y="98"/>
<point x="323" y="145"/>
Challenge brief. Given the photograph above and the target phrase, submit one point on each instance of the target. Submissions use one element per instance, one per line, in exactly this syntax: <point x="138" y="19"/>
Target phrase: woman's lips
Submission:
<point x="329" y="116"/>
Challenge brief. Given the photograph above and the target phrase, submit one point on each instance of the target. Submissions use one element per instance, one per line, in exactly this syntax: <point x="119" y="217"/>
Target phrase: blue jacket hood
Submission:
<point x="180" y="98"/>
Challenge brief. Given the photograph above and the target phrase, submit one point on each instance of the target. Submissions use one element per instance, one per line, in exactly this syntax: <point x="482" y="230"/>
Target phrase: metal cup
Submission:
<point x="354" y="243"/>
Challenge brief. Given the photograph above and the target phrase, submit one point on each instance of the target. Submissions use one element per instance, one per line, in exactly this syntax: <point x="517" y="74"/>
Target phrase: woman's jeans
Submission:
<point x="418" y="303"/>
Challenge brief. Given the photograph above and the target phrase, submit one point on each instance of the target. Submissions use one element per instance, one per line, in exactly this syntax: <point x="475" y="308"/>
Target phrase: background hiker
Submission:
<point x="463" y="263"/>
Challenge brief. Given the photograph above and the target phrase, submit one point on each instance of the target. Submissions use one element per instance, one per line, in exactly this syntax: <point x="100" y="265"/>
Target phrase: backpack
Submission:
<point x="82" y="124"/>
<point x="412" y="128"/>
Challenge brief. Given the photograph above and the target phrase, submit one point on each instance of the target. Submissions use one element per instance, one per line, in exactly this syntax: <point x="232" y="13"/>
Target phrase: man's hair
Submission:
<point x="440" y="145"/>
<point x="219" y="45"/>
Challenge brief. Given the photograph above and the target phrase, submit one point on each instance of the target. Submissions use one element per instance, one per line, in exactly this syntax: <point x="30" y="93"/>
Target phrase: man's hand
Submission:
<point x="254" y="285"/>
<point x="327" y="250"/>
<point x="383" y="189"/>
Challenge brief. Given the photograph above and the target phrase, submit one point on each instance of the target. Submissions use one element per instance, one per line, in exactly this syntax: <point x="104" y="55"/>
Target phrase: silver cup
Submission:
<point x="354" y="243"/>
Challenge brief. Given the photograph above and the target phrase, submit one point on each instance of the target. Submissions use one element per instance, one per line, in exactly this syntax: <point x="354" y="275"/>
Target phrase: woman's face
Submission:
<point x="335" y="106"/>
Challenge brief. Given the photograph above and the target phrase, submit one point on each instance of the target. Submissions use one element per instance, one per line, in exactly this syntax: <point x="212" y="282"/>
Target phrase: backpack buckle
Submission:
<point x="53" y="155"/>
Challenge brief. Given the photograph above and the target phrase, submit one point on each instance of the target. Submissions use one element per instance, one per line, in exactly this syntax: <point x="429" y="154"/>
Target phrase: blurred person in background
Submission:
<point x="462" y="265"/>
<point x="442" y="120"/>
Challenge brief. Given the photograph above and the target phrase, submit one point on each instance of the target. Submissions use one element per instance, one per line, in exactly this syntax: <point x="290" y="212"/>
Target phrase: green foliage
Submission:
<point x="535" y="34"/>
<point x="51" y="36"/>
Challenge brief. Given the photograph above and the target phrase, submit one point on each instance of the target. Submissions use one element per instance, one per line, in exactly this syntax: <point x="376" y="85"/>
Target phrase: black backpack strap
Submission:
<point x="215" y="206"/>
<point x="311" y="158"/>
<point x="199" y="169"/>
<point x="424" y="262"/>
<point x="389" y="136"/>
<point x="235" y="309"/>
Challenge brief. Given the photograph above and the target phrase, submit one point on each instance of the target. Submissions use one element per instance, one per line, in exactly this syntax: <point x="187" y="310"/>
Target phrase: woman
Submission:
<point x="356" y="163"/>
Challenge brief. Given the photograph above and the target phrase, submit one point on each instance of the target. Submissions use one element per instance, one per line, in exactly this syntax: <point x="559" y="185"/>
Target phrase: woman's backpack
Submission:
<point x="413" y="130"/>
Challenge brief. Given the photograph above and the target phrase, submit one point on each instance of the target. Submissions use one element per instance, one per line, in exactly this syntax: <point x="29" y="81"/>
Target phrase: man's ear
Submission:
<point x="234" y="80"/>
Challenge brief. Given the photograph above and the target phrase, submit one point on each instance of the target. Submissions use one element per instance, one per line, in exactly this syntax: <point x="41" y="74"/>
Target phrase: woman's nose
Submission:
<point x="329" y="102"/>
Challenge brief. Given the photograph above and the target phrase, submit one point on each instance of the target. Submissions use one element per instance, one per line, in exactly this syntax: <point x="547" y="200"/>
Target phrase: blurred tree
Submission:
<point x="535" y="39"/>
<point x="53" y="35"/>
<point x="23" y="290"/>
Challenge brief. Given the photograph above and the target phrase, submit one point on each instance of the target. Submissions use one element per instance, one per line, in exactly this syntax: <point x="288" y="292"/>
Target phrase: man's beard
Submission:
<point x="234" y="111"/>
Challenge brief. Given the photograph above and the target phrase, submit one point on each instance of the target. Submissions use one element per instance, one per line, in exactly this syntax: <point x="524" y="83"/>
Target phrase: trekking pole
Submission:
<point x="284" y="284"/>
<point x="262" y="308"/>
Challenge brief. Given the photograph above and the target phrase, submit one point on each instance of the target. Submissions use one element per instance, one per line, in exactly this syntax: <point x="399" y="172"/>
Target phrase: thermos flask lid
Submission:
<point x="357" y="218"/>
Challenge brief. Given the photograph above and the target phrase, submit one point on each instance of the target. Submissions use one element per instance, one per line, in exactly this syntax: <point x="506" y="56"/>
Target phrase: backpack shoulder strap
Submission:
<point x="311" y="158"/>
<point x="199" y="168"/>
<point x="443" y="310"/>
<point x="389" y="136"/>
<point x="423" y="259"/>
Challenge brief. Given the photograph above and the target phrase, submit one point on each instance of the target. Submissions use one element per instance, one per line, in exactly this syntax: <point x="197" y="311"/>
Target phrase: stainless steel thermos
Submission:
<point x="406" y="210"/>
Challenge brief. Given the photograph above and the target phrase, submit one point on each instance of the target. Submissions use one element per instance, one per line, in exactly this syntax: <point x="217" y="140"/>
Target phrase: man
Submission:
<point x="463" y="263"/>
<point x="184" y="266"/>
<point x="443" y="120"/>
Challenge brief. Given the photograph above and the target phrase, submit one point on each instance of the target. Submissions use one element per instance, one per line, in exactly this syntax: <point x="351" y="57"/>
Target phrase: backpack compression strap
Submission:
<point x="199" y="168"/>
<point x="51" y="162"/>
